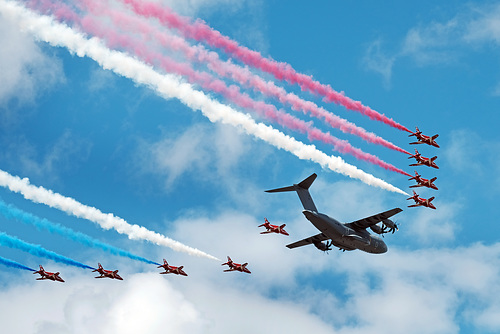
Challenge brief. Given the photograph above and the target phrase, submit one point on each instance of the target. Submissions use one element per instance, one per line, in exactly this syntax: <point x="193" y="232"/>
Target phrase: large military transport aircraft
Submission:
<point x="348" y="236"/>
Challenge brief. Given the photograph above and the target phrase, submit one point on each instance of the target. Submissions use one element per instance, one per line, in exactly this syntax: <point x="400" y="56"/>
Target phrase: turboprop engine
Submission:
<point x="387" y="227"/>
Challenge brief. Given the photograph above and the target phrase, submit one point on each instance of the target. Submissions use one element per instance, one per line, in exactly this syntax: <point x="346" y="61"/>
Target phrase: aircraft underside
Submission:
<point x="343" y="237"/>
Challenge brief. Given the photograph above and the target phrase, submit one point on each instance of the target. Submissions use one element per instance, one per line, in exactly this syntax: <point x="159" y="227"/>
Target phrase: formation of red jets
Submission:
<point x="280" y="229"/>
<point x="233" y="266"/>
<point x="423" y="161"/>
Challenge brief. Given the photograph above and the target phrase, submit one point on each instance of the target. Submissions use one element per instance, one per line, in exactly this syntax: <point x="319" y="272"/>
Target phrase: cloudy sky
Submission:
<point x="146" y="153"/>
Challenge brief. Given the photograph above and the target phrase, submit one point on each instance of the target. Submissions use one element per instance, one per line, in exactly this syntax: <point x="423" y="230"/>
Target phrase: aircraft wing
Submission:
<point x="315" y="238"/>
<point x="375" y="219"/>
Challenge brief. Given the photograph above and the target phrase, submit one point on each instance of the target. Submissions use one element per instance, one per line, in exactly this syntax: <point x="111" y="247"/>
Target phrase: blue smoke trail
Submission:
<point x="9" y="211"/>
<point x="37" y="250"/>
<point x="10" y="263"/>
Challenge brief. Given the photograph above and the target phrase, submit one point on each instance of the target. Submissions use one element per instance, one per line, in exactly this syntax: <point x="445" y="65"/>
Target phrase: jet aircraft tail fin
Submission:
<point x="302" y="190"/>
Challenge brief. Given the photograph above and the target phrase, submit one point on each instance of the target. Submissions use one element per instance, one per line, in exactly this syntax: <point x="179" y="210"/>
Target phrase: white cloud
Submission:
<point x="174" y="156"/>
<point x="438" y="43"/>
<point x="485" y="26"/>
<point x="434" y="290"/>
<point x="100" y="79"/>
<point x="197" y="149"/>
<point x="26" y="69"/>
<point x="145" y="303"/>
<point x="435" y="226"/>
<point x="210" y="154"/>
<point x="433" y="44"/>
<point x="377" y="61"/>
<point x="469" y="155"/>
<point x="420" y="291"/>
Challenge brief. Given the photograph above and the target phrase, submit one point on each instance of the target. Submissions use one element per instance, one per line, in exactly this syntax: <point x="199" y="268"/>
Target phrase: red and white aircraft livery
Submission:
<point x="171" y="269"/>
<point x="421" y="201"/>
<point x="107" y="273"/>
<point x="423" y="182"/>
<point x="236" y="266"/>
<point x="423" y="161"/>
<point x="423" y="139"/>
<point x="48" y="275"/>
<point x="273" y="228"/>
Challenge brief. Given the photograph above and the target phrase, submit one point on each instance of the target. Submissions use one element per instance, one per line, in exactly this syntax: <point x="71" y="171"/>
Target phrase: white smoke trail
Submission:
<point x="105" y="220"/>
<point x="46" y="29"/>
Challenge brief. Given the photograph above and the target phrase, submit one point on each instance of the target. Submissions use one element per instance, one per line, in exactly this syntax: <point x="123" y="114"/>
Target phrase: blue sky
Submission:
<point x="86" y="133"/>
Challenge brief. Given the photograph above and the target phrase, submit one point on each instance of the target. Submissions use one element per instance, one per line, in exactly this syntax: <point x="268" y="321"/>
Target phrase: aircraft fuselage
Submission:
<point x="344" y="236"/>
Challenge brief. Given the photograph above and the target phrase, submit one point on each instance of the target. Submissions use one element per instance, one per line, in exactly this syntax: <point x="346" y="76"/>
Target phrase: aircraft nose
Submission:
<point x="383" y="248"/>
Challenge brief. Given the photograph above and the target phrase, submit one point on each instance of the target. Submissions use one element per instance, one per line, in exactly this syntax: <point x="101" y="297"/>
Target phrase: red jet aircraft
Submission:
<point x="273" y="228"/>
<point x="423" y="182"/>
<point x="107" y="273"/>
<point x="236" y="266"/>
<point x="423" y="139"/>
<point x="423" y="161"/>
<point x="48" y="275"/>
<point x="421" y="201"/>
<point x="171" y="269"/>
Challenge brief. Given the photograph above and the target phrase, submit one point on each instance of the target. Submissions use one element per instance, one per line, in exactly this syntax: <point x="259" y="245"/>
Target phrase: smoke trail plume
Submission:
<point x="232" y="93"/>
<point x="37" y="250"/>
<point x="13" y="264"/>
<point x="167" y="86"/>
<point x="9" y="211"/>
<point x="224" y="68"/>
<point x="200" y="31"/>
<point x="106" y="221"/>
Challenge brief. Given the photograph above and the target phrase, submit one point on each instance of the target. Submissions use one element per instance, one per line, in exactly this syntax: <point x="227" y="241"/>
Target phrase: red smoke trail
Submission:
<point x="237" y="73"/>
<point x="200" y="31"/>
<point x="232" y="93"/>
<point x="242" y="75"/>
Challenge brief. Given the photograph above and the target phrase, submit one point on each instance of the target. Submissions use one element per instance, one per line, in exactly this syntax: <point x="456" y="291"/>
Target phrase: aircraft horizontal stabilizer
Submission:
<point x="279" y="190"/>
<point x="305" y="184"/>
<point x="302" y="190"/>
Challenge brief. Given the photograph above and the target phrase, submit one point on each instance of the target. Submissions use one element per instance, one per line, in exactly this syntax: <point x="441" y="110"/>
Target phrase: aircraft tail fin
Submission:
<point x="302" y="190"/>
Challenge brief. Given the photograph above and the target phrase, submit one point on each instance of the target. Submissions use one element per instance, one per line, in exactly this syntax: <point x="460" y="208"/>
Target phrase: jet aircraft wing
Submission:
<point x="315" y="238"/>
<point x="372" y="220"/>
